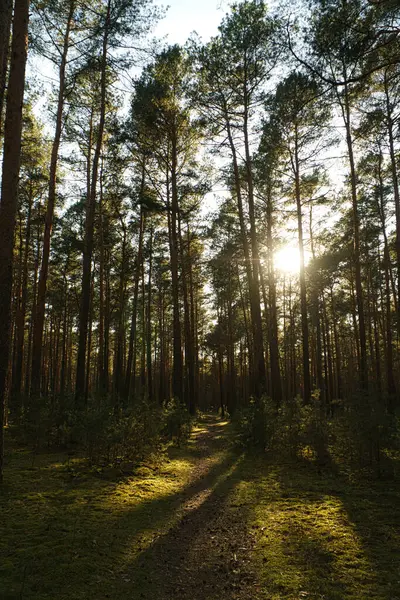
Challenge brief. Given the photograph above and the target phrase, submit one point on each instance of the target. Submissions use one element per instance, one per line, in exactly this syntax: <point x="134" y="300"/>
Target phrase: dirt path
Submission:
<point x="206" y="554"/>
<point x="204" y="524"/>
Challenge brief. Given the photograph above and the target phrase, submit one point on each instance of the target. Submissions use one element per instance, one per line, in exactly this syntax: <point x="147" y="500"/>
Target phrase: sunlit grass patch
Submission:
<point x="69" y="533"/>
<point x="65" y="529"/>
<point x="319" y="538"/>
<point x="72" y="532"/>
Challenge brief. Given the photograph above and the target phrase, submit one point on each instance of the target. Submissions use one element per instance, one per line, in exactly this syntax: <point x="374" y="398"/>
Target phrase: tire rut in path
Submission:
<point x="206" y="555"/>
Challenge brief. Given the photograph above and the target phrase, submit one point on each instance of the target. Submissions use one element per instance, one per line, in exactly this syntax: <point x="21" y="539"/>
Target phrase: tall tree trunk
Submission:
<point x="9" y="190"/>
<point x="391" y="386"/>
<point x="338" y="354"/>
<point x="232" y="399"/>
<point x="21" y="313"/>
<point x="258" y="365"/>
<point x="129" y="381"/>
<point x="89" y="344"/>
<point x="63" y="373"/>
<point x="149" y="323"/>
<point x="5" y="29"/>
<point x="177" y="368"/>
<point x="189" y="350"/>
<point x="302" y="277"/>
<point x="317" y="321"/>
<point x="42" y="286"/>
<point x="162" y="367"/>
<point x="89" y="225"/>
<point x="345" y="106"/>
<point x="119" y="341"/>
<point x="260" y="371"/>
<point x="100" y="367"/>
<point x="395" y="180"/>
<point x="193" y="320"/>
<point x="107" y="318"/>
<point x="276" y="381"/>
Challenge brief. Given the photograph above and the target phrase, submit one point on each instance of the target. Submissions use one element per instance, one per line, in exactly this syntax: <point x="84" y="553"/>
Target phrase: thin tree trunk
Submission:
<point x="21" y="314"/>
<point x="42" y="286"/>
<point x="276" y="381"/>
<point x="129" y="381"/>
<point x="395" y="180"/>
<point x="101" y="379"/>
<point x="177" y="368"/>
<point x="260" y="370"/>
<point x="302" y="277"/>
<point x="89" y="225"/>
<point x="317" y="322"/>
<point x="5" y="30"/>
<point x="356" y="244"/>
<point x="149" y="325"/>
<point x="189" y="350"/>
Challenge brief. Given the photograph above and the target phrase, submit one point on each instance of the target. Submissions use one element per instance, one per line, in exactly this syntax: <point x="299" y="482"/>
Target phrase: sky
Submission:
<point x="185" y="16"/>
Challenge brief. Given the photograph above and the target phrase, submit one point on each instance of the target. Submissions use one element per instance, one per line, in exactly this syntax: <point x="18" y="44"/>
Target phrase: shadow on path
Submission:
<point x="205" y="555"/>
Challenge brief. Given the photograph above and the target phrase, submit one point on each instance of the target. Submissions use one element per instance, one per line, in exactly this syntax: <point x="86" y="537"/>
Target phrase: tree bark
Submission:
<point x="356" y="245"/>
<point x="5" y="29"/>
<point x="42" y="286"/>
<point x="395" y="180"/>
<point x="177" y="368"/>
<point x="89" y="225"/>
<point x="9" y="190"/>
<point x="276" y="381"/>
<point x="260" y="370"/>
<point x="129" y="381"/>
<point x="21" y="314"/>
<point x="302" y="277"/>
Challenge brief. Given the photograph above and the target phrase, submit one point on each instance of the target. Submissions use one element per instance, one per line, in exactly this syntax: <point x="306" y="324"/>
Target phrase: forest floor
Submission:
<point x="206" y="523"/>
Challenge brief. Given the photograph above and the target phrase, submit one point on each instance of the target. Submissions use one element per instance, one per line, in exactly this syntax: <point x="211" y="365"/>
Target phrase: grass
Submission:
<point x="68" y="533"/>
<point x="319" y="537"/>
<point x="67" y="530"/>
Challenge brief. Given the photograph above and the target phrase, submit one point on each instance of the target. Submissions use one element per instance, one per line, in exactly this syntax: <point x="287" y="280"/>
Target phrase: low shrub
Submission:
<point x="177" y="422"/>
<point x="102" y="434"/>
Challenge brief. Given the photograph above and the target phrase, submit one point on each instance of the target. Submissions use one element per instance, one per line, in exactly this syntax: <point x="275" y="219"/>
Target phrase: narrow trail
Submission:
<point x="205" y="523"/>
<point x="207" y="553"/>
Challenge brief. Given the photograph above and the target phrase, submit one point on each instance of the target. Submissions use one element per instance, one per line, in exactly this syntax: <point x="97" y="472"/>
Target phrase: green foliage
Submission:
<point x="256" y="424"/>
<point x="262" y="426"/>
<point x="258" y="528"/>
<point x="360" y="438"/>
<point x="362" y="433"/>
<point x="177" y="422"/>
<point x="103" y="435"/>
<point x="111" y="438"/>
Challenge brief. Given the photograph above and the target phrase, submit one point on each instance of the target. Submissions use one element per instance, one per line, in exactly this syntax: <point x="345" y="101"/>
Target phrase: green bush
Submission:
<point x="285" y="430"/>
<point x="98" y="433"/>
<point x="361" y="433"/>
<point x="177" y="422"/>
<point x="256" y="424"/>
<point x="103" y="435"/>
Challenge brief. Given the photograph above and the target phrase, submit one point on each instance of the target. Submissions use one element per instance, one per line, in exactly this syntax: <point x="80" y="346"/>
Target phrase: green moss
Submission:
<point x="71" y="534"/>
<point x="319" y="538"/>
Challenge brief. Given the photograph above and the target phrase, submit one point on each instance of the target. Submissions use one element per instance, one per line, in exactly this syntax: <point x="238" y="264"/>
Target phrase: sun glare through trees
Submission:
<point x="199" y="300"/>
<point x="287" y="259"/>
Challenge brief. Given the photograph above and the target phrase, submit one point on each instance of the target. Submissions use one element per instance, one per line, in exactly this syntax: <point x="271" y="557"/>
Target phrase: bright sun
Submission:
<point x="287" y="259"/>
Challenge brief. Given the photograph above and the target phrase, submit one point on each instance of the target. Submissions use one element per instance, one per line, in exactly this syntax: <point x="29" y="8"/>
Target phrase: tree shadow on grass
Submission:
<point x="205" y="554"/>
<point x="316" y="535"/>
<point x="77" y="542"/>
<point x="342" y="539"/>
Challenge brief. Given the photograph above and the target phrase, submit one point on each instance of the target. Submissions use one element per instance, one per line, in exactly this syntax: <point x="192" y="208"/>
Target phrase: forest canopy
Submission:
<point x="200" y="301"/>
<point x="208" y="226"/>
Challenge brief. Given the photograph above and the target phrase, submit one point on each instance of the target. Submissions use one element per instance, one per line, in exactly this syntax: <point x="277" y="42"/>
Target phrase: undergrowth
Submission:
<point x="359" y="438"/>
<point x="101" y="434"/>
<point x="312" y="533"/>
